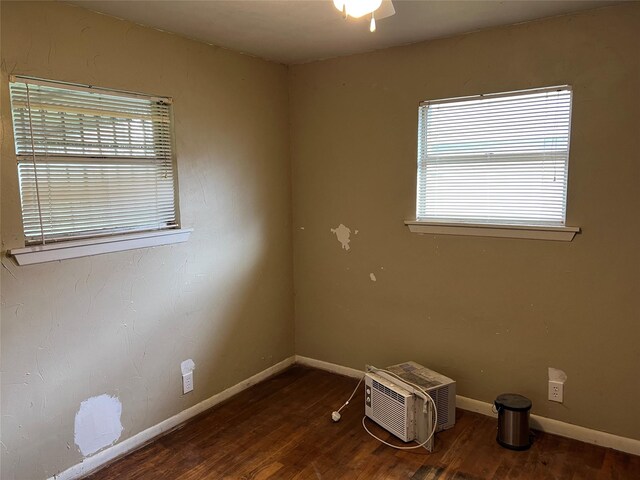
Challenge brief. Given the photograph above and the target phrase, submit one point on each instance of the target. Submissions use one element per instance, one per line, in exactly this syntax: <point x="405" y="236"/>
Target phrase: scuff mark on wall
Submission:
<point x="372" y="276"/>
<point x="97" y="424"/>
<point x="9" y="270"/>
<point x="342" y="233"/>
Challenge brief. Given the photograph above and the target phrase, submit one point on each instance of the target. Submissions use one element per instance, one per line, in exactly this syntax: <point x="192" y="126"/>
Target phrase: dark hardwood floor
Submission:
<point x="282" y="429"/>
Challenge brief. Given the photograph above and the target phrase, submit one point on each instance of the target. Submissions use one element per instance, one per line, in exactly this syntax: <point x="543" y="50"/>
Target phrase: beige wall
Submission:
<point x="121" y="323"/>
<point x="491" y="313"/>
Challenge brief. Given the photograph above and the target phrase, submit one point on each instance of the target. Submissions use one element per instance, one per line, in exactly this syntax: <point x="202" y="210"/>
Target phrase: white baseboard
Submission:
<point x="544" y="424"/>
<point x="100" y="459"/>
<point x="329" y="367"/>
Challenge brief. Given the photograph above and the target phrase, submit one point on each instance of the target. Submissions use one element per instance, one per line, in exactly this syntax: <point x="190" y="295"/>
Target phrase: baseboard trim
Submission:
<point x="121" y="449"/>
<point x="544" y="424"/>
<point x="329" y="367"/>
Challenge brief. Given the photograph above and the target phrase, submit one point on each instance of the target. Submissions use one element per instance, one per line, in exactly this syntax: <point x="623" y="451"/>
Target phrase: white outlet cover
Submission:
<point x="187" y="382"/>
<point x="556" y="391"/>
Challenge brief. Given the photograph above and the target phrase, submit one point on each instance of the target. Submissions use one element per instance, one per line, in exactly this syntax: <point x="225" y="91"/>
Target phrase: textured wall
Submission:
<point x="120" y="324"/>
<point x="491" y="313"/>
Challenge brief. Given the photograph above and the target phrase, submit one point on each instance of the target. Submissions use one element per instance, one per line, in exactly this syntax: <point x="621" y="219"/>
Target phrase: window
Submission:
<point x="92" y="163"/>
<point x="499" y="159"/>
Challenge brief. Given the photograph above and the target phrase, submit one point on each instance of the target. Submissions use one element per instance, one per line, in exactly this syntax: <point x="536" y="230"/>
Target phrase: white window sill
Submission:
<point x="95" y="246"/>
<point x="562" y="234"/>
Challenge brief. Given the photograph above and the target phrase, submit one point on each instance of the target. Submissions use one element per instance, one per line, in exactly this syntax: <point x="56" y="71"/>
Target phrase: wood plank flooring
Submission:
<point x="282" y="429"/>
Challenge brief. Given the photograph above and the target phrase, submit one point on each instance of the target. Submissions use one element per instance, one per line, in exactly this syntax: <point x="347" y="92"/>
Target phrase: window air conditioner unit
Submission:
<point x="398" y="407"/>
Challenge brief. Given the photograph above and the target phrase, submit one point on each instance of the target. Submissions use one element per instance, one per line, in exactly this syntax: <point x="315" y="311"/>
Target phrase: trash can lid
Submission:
<point x="513" y="401"/>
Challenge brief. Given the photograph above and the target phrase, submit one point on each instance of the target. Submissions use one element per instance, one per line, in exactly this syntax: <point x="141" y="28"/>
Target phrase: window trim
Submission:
<point x="533" y="232"/>
<point x="63" y="250"/>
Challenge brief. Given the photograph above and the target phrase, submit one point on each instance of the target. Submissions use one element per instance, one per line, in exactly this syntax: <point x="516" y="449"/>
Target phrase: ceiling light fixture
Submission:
<point x="360" y="8"/>
<point x="357" y="8"/>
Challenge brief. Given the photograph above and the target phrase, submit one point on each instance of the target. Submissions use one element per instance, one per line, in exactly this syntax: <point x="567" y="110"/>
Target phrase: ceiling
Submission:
<point x="298" y="31"/>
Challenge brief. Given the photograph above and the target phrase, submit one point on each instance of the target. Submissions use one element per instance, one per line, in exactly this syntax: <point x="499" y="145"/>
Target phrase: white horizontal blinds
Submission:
<point x="91" y="162"/>
<point x="495" y="159"/>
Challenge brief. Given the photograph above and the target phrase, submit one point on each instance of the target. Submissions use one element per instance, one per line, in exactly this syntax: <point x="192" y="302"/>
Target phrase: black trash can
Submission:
<point x="513" y="421"/>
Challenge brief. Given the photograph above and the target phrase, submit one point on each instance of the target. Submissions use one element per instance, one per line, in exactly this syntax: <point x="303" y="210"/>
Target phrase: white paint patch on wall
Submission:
<point x="97" y="424"/>
<point x="187" y="366"/>
<point x="372" y="276"/>
<point x="557" y="375"/>
<point x="342" y="233"/>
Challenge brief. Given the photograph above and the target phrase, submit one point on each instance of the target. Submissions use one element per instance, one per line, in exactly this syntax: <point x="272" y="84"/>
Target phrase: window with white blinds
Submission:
<point x="91" y="162"/>
<point x="495" y="159"/>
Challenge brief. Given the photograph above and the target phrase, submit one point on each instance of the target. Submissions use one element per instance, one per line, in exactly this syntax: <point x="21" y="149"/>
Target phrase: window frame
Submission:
<point x="491" y="228"/>
<point x="52" y="249"/>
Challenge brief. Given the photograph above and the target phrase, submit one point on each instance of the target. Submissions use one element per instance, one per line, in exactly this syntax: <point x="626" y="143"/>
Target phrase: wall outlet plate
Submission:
<point x="556" y="391"/>
<point x="187" y="382"/>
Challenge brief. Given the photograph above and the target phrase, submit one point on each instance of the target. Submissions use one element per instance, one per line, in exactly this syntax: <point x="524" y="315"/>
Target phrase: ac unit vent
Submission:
<point x="440" y="398"/>
<point x="389" y="413"/>
<point x="387" y="391"/>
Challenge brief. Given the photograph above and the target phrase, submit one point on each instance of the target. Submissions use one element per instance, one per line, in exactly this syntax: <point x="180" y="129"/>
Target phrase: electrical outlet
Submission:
<point x="187" y="382"/>
<point x="556" y="391"/>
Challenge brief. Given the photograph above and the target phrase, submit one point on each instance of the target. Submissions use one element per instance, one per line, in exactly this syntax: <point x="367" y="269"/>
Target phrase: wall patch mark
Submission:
<point x="97" y="424"/>
<point x="557" y="375"/>
<point x="342" y="233"/>
<point x="372" y="276"/>
<point x="187" y="367"/>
